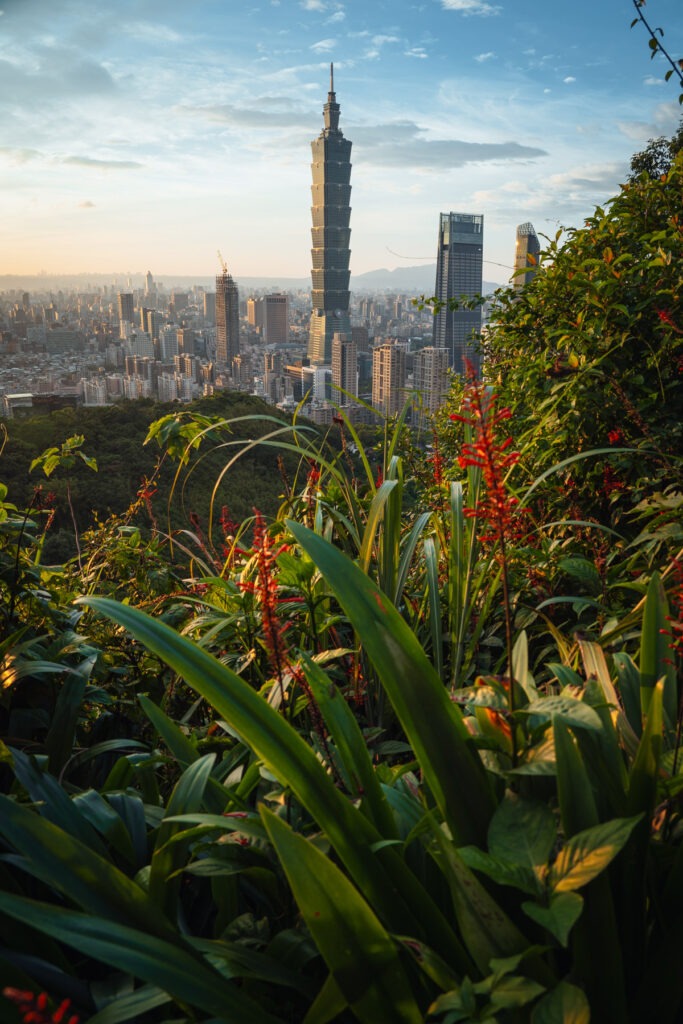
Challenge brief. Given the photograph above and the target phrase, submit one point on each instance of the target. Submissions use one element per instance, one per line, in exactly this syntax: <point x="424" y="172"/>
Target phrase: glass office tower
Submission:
<point x="459" y="266"/>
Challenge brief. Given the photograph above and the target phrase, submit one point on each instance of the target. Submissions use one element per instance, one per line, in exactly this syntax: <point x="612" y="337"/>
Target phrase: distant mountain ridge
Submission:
<point x="414" y="280"/>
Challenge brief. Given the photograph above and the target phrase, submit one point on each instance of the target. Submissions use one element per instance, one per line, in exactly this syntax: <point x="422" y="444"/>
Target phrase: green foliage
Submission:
<point x="407" y="748"/>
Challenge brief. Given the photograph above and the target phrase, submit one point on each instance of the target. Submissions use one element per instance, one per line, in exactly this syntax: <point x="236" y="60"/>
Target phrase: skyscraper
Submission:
<point x="527" y="251"/>
<point x="430" y="378"/>
<point x="459" y="266"/>
<point x="276" y="319"/>
<point x="344" y="370"/>
<point x="388" y="378"/>
<point x="126" y="306"/>
<point x="227" y="319"/>
<point x="330" y="234"/>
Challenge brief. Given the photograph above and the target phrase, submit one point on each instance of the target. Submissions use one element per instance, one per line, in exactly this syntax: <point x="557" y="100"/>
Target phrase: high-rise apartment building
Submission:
<point x="330" y="234"/>
<point x="227" y="319"/>
<point x="527" y="251"/>
<point x="430" y="379"/>
<point x="126" y="307"/>
<point x="210" y="307"/>
<point x="459" y="267"/>
<point x="255" y="312"/>
<point x="276" y="319"/>
<point x="344" y="370"/>
<point x="388" y="378"/>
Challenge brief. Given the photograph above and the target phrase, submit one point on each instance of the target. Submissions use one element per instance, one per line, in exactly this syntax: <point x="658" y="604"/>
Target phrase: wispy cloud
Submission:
<point x="323" y="45"/>
<point x="568" y="80"/>
<point x="470" y="7"/>
<point x="416" y="51"/>
<point x="405" y="144"/>
<point x="86" y="205"/>
<point x="651" y="80"/>
<point x="102" y="165"/>
<point x="481" y="57"/>
<point x="151" y="32"/>
<point x="335" y="18"/>
<point x="313" y="5"/>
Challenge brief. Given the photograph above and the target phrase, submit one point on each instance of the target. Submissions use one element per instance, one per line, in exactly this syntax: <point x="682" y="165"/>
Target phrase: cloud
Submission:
<point x="151" y="32"/>
<point x="284" y="114"/>
<point x="470" y="7"/>
<point x="481" y="57"/>
<point x="381" y="40"/>
<point x="313" y="5"/>
<point x="86" y="205"/>
<point x="323" y="45"/>
<point x="651" y="80"/>
<point x="404" y="144"/>
<point x="568" y="80"/>
<point x="61" y="74"/>
<point x="18" y="155"/>
<point x="416" y="51"/>
<point x="103" y="165"/>
<point x="336" y="17"/>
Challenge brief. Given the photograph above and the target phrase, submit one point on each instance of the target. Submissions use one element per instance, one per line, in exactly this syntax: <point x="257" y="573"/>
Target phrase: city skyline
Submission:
<point x="151" y="134"/>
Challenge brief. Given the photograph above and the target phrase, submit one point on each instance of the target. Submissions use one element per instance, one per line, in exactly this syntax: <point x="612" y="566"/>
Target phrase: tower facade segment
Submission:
<point x="227" y="320"/>
<point x="527" y="252"/>
<point x="459" y="269"/>
<point x="330" y="233"/>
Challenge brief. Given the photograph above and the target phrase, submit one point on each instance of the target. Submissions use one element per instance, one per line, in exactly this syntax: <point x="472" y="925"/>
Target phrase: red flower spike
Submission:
<point x="497" y="508"/>
<point x="34" y="1008"/>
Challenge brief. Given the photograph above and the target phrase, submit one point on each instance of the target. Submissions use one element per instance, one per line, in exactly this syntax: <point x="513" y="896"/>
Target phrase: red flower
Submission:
<point x="615" y="436"/>
<point x="611" y="482"/>
<point x="666" y="318"/>
<point x="497" y="508"/>
<point x="34" y="1009"/>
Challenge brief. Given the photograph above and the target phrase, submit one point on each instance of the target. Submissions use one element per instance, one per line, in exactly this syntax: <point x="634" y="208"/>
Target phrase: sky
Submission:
<point x="146" y="135"/>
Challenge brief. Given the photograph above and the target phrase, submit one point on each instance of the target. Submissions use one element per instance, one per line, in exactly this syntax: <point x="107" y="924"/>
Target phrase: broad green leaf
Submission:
<point x="522" y="831"/>
<point x="566" y="1004"/>
<point x="486" y="929"/>
<point x="361" y="956"/>
<point x="510" y="993"/>
<point x="176" y="740"/>
<point x="82" y="875"/>
<point x="356" y="762"/>
<point x="432" y="723"/>
<point x="503" y="872"/>
<point x="187" y="797"/>
<point x="560" y="917"/>
<point x="179" y="972"/>
<point x="131" y="1006"/>
<point x="385" y="880"/>
<point x="588" y="853"/>
<point x="657" y="659"/>
<point x="567" y="709"/>
<point x="53" y="803"/>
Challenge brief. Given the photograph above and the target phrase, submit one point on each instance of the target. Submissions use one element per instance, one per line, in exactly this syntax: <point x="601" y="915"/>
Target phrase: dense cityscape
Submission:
<point x="368" y="352"/>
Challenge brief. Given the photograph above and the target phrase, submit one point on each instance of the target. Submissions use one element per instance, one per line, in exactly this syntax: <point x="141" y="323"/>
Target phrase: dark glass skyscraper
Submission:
<point x="330" y="234"/>
<point x="227" y="319"/>
<point x="459" y="268"/>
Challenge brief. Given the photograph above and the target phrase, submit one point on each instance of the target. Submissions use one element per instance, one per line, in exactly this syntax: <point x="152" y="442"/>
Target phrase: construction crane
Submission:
<point x="222" y="262"/>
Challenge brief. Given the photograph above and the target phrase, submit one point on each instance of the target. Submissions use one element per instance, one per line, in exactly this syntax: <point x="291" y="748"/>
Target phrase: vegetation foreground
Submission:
<point x="410" y="750"/>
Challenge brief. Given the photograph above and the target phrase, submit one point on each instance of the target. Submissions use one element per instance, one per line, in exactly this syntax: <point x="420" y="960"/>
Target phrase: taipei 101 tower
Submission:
<point x="331" y="234"/>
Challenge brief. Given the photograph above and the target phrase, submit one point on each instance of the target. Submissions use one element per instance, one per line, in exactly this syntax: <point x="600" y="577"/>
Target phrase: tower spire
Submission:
<point x="331" y="108"/>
